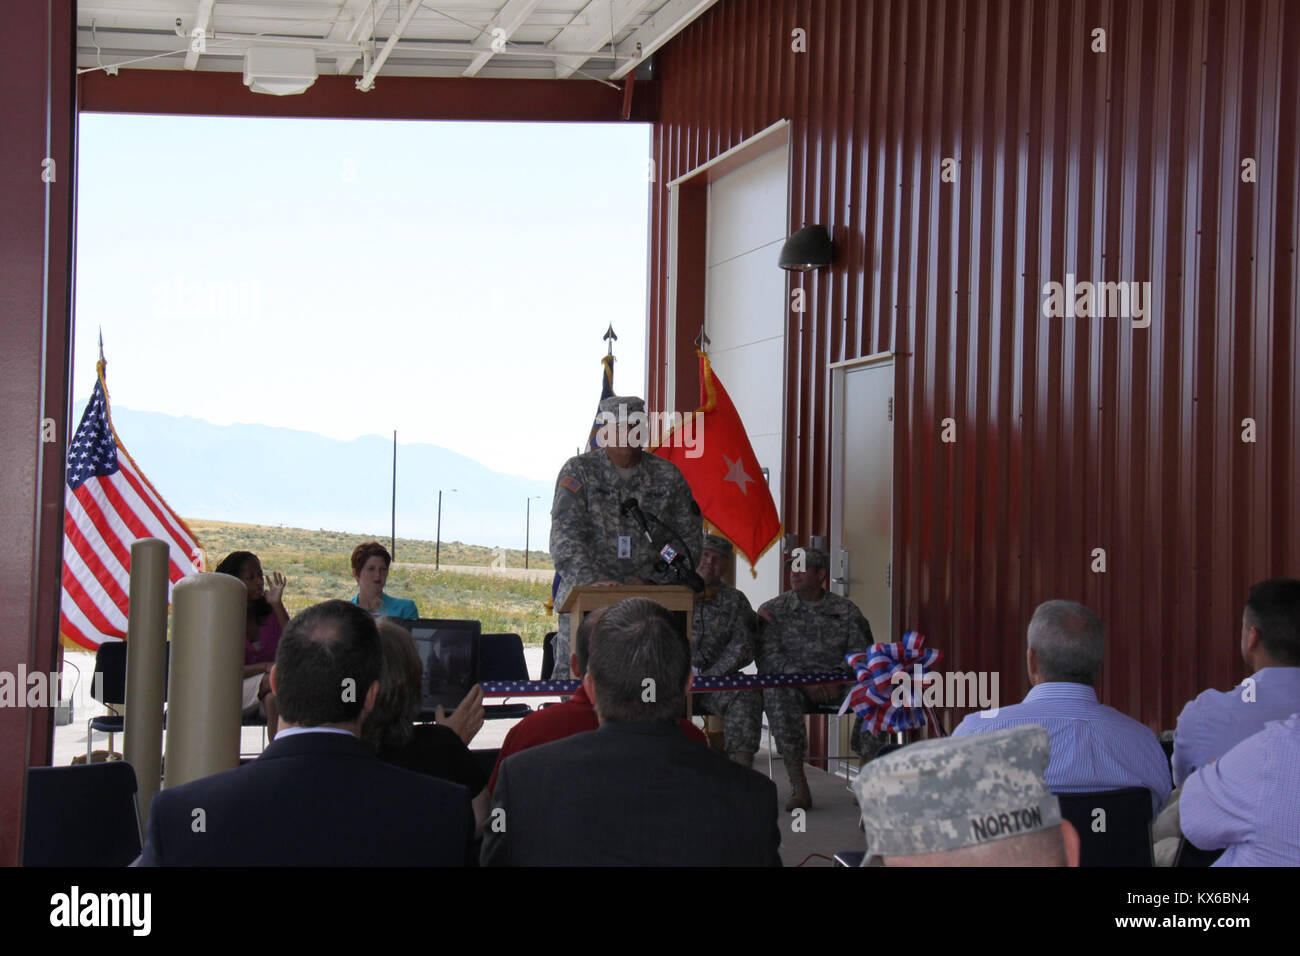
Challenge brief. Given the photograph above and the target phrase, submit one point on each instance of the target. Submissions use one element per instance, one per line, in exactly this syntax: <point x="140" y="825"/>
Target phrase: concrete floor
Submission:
<point x="829" y="827"/>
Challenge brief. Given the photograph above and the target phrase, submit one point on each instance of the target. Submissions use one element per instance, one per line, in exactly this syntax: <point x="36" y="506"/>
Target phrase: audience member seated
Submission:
<point x="266" y="620"/>
<point x="1216" y="721"/>
<point x="317" y="796"/>
<point x="1249" y="800"/>
<point x="635" y="792"/>
<point x="808" y="629"/>
<point x="965" y="801"/>
<point x="1094" y="747"/>
<point x="434" y="749"/>
<point x="574" y="716"/>
<point x="370" y="563"/>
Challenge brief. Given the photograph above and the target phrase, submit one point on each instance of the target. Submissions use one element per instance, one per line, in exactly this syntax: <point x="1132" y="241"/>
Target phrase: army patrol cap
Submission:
<point x="714" y="542"/>
<point x="955" y="792"/>
<point x="812" y="557"/>
<point x="621" y="406"/>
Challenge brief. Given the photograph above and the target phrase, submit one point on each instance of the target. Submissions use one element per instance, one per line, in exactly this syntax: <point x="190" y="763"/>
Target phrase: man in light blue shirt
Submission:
<point x="1094" y="747"/>
<point x="1247" y="800"/>
<point x="1216" y="721"/>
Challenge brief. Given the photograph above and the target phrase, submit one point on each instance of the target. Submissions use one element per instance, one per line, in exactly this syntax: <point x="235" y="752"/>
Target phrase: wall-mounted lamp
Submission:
<point x="280" y="71"/>
<point x="809" y="248"/>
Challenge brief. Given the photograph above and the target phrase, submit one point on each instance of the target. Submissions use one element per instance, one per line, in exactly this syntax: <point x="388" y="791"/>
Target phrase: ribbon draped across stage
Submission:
<point x="550" y="688"/>
<point x="874" y="698"/>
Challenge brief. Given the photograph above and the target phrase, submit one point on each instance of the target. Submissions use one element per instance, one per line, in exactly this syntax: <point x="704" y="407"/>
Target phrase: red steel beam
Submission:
<point x="336" y="97"/>
<point x="36" y="204"/>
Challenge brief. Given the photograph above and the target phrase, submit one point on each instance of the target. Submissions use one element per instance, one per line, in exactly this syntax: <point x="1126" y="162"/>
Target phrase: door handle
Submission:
<point x="840" y="583"/>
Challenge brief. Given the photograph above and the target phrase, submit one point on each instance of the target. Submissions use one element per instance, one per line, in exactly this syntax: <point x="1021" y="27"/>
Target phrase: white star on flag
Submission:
<point x="736" y="473"/>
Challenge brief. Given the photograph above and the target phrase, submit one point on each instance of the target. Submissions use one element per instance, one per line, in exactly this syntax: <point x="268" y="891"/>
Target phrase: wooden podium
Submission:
<point x="582" y="601"/>
<point x="677" y="599"/>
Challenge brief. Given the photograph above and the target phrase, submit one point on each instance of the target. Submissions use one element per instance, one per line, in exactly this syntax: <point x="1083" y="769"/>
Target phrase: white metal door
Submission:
<point x="745" y="310"/>
<point x="862" y="489"/>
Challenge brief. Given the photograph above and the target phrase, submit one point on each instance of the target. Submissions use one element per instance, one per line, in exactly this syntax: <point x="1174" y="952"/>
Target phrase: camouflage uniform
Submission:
<point x="724" y="629"/>
<point x="935" y="796"/>
<point x="799" y="637"/>
<point x="586" y="525"/>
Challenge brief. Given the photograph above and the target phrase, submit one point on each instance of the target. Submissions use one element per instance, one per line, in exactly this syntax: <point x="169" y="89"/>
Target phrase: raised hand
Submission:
<point x="275" y="582"/>
<point x="467" y="718"/>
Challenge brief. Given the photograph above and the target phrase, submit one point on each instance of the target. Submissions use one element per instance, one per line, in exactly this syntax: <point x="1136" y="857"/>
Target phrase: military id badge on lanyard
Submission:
<point x="625" y="546"/>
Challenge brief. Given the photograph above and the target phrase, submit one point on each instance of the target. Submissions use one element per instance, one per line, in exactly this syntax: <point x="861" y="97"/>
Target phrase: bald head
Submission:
<point x="327" y="660"/>
<point x="1065" y="644"/>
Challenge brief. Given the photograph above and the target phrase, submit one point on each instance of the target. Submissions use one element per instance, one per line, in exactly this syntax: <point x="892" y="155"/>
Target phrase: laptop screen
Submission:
<point x="449" y="653"/>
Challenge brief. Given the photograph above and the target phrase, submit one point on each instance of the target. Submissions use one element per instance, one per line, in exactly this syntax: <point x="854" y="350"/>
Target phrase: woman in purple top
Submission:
<point x="266" y="620"/>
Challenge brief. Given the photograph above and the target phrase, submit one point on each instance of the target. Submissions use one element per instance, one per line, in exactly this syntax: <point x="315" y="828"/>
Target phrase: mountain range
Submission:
<point x="258" y="474"/>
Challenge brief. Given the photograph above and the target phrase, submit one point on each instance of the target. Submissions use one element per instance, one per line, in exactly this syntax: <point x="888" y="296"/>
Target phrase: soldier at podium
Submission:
<point x="596" y="538"/>
<point x="724" y="630"/>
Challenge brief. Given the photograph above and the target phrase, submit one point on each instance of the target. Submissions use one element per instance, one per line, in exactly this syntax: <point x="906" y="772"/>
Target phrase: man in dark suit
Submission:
<point x="317" y="796"/>
<point x="635" y="792"/>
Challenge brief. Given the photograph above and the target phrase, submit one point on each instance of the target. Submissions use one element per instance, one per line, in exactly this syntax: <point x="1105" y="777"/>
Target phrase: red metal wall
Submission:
<point x="36" y="201"/>
<point x="1072" y="434"/>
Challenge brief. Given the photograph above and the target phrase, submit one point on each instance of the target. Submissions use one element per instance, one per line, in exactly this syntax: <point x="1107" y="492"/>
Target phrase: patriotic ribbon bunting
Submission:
<point x="873" y="699"/>
<point x="551" y="688"/>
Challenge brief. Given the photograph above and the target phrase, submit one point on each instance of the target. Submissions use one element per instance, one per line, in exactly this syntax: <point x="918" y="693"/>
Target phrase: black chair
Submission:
<point x="108" y="686"/>
<point x="825" y="713"/>
<point x="501" y="657"/>
<point x="84" y="815"/>
<point x="1191" y="855"/>
<point x="548" y="655"/>
<point x="1126" y="837"/>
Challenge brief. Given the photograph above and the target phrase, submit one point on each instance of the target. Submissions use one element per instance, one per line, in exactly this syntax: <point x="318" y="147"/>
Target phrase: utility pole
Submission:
<point x="528" y="504"/>
<point x="437" y="545"/>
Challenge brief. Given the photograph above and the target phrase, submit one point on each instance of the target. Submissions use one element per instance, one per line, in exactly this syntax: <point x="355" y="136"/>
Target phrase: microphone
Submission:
<point x="681" y="570"/>
<point x="631" y="507"/>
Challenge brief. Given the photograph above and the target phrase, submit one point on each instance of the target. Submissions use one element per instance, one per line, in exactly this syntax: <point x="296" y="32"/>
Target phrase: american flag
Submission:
<point x="109" y="505"/>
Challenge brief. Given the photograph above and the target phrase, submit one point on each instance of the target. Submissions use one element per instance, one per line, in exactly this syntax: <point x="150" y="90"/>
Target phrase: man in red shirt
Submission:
<point x="574" y="716"/>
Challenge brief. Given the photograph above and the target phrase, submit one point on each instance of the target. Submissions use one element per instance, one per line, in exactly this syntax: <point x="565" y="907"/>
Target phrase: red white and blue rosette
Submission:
<point x="873" y="699"/>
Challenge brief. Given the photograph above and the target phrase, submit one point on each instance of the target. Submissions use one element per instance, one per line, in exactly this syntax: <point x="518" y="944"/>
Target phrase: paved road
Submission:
<point x="529" y="574"/>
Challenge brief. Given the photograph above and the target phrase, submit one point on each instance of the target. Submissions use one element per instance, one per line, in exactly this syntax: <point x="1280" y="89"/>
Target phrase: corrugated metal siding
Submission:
<point x="1073" y="434"/>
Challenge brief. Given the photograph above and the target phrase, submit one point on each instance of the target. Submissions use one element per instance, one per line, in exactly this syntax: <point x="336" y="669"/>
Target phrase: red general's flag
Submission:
<point x="109" y="505"/>
<point x="725" y="478"/>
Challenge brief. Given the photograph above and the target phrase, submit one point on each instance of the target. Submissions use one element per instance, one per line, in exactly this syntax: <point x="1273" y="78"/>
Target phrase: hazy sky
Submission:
<point x="448" y="280"/>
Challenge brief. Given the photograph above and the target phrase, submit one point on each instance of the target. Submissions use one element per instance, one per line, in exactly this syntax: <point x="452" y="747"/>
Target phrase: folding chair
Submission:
<point x="1114" y="826"/>
<point x="501" y="657"/>
<point x="1190" y="855"/>
<point x="548" y="655"/>
<point x="84" y="815"/>
<point x="108" y="686"/>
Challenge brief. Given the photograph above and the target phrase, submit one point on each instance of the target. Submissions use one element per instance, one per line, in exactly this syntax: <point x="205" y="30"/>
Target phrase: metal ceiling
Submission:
<point x="521" y="39"/>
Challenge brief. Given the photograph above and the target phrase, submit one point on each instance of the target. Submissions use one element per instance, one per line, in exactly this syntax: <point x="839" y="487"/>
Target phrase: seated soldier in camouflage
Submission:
<point x="805" y="630"/>
<point x="724" y="629"/>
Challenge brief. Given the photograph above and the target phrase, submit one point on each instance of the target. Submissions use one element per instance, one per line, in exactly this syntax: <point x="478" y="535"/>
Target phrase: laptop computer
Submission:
<point x="449" y="651"/>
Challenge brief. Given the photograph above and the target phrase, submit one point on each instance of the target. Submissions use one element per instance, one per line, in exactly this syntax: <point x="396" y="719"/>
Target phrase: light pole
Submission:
<point x="437" y="545"/>
<point x="528" y="504"/>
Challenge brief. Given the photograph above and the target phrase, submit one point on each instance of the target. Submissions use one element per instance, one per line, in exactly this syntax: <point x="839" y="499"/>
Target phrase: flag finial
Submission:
<point x="702" y="340"/>
<point x="611" y="338"/>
